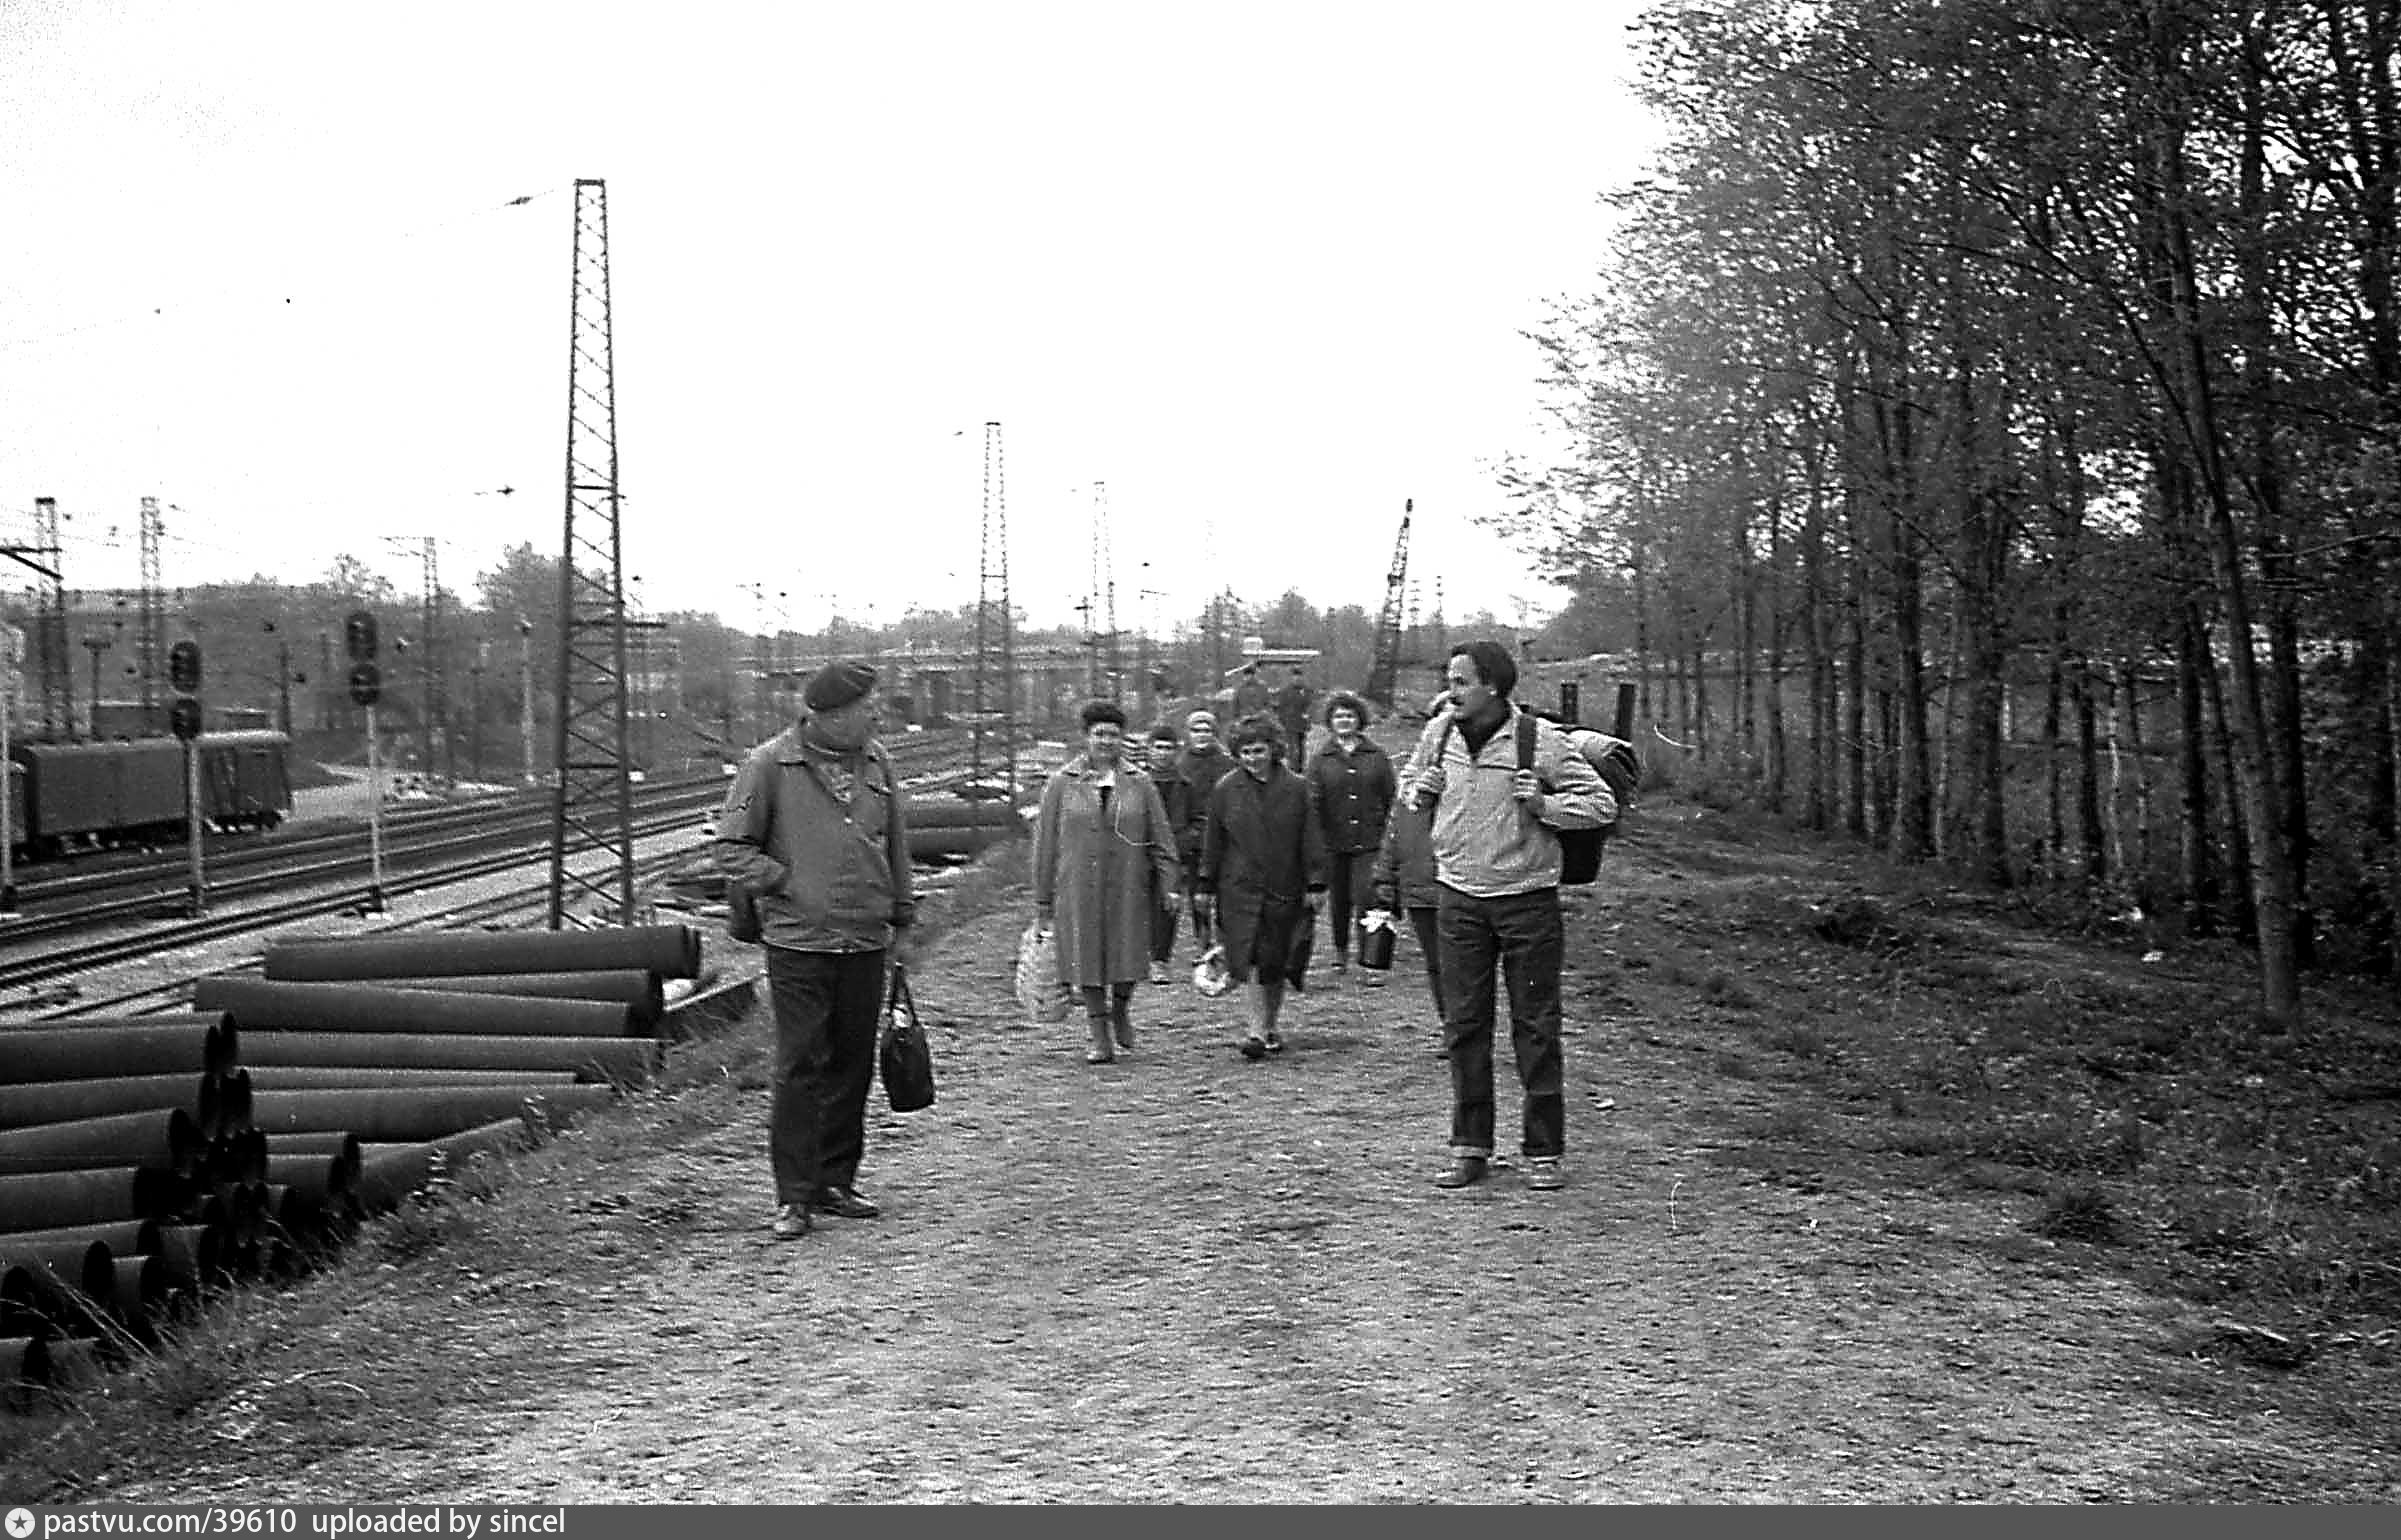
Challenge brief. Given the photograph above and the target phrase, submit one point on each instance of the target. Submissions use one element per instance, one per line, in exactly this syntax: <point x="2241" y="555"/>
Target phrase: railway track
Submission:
<point x="442" y="848"/>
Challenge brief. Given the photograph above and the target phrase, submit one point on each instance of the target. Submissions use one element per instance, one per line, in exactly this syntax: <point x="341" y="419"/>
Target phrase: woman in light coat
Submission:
<point x="1104" y="863"/>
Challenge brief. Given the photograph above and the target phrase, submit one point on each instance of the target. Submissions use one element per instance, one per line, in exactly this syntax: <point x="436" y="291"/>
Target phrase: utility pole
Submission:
<point x="594" y="811"/>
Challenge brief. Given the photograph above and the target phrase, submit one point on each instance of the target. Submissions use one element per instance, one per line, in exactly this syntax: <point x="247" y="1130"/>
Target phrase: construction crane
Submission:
<point x="1383" y="674"/>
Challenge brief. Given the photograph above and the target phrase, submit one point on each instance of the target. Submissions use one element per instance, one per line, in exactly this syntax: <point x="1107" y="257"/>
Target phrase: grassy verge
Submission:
<point x="222" y="1373"/>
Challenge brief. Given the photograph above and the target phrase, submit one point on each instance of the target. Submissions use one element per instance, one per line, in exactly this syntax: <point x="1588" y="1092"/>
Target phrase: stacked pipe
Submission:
<point x="147" y="1161"/>
<point x="108" y="1127"/>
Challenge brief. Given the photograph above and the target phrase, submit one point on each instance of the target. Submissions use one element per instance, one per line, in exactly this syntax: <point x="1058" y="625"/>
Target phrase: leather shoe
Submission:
<point x="845" y="1203"/>
<point x="791" y="1222"/>
<point x="1463" y="1171"/>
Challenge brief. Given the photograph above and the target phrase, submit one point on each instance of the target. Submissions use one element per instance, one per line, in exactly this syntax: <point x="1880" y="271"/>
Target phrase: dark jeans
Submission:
<point x="1522" y="937"/>
<point x="826" y="1005"/>
<point x="1429" y="943"/>
<point x="1348" y="891"/>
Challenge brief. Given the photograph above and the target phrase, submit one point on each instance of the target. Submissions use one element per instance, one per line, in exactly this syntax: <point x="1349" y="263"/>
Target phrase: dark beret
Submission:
<point x="838" y="684"/>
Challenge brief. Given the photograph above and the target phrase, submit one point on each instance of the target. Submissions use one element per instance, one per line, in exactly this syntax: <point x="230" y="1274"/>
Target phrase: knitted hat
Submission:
<point x="1201" y="719"/>
<point x="838" y="684"/>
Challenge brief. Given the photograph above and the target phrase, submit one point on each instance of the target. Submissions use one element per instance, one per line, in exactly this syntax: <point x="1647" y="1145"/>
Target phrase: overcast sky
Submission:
<point x="1258" y="269"/>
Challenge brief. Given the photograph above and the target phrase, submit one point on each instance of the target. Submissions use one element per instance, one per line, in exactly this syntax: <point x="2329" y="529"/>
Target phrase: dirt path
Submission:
<point x="1188" y="1278"/>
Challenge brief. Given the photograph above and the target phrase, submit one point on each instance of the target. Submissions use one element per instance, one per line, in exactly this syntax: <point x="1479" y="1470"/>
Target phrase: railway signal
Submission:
<point x="366" y="684"/>
<point x="358" y="634"/>
<point x="183" y="716"/>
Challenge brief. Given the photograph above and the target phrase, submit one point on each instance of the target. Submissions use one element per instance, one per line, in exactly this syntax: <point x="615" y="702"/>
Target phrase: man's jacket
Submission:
<point x="1486" y="843"/>
<point x="823" y="839"/>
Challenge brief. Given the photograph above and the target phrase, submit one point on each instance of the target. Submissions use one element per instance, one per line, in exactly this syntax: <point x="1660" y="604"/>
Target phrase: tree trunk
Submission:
<point x="2093" y="865"/>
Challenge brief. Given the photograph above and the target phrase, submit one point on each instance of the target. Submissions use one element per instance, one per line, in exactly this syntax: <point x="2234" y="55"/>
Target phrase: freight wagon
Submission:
<point x="130" y="791"/>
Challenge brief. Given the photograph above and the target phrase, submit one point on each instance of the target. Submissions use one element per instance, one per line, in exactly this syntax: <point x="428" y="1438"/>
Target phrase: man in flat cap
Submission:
<point x="815" y="822"/>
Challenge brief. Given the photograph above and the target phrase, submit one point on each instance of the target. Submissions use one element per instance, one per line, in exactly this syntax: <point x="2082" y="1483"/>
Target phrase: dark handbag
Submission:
<point x="741" y="910"/>
<point x="904" y="1056"/>
<point x="1375" y="945"/>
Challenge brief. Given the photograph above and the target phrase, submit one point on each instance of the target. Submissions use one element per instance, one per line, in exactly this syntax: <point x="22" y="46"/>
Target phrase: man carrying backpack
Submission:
<point x="1500" y="794"/>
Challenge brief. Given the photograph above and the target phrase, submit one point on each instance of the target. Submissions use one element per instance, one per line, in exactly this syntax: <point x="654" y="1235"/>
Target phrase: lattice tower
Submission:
<point x="1384" y="670"/>
<point x="433" y="731"/>
<point x="50" y="631"/>
<point x="1104" y="589"/>
<point x="995" y="652"/>
<point x="149" y="642"/>
<point x="592" y="824"/>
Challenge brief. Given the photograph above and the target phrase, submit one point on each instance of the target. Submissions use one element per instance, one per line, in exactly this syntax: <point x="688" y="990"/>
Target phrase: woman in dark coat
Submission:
<point x="1104" y="862"/>
<point x="1263" y="858"/>
<point x="1352" y="785"/>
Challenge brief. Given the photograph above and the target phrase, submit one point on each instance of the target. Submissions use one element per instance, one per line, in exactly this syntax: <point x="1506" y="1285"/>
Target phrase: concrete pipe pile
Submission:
<point x="203" y="1251"/>
<point x="625" y="1060"/>
<point x="43" y="1200"/>
<point x="331" y="1181"/>
<point x="64" y="1101"/>
<point x="929" y="843"/>
<point x="266" y="1005"/>
<point x="670" y="951"/>
<point x="189" y="1252"/>
<point x="303" y="1077"/>
<point x="81" y="1260"/>
<point x="36" y="1302"/>
<point x="303" y="1227"/>
<point x="104" y="1051"/>
<point x="414" y="1114"/>
<point x="631" y="987"/>
<point x="31" y="1365"/>
<point x="236" y="1157"/>
<point x="168" y="1139"/>
<point x="390" y="1172"/>
<point x="992" y="816"/>
<point x="140" y="1292"/>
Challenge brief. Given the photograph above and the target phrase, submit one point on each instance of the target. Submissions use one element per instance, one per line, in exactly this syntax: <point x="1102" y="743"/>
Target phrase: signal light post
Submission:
<point x="366" y="688"/>
<point x="183" y="715"/>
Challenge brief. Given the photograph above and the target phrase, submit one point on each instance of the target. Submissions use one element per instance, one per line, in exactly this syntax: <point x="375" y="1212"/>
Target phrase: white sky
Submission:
<point x="1259" y="268"/>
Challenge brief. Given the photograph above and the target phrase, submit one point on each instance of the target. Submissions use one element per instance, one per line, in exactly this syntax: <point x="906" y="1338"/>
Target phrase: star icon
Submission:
<point x="20" y="1523"/>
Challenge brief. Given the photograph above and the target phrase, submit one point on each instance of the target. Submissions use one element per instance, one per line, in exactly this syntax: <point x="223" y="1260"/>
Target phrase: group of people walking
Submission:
<point x="1133" y="837"/>
<point x="1462" y="839"/>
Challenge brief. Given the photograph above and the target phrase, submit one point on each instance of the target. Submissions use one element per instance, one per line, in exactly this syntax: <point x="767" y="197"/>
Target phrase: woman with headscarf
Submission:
<point x="1263" y="859"/>
<point x="1104" y="863"/>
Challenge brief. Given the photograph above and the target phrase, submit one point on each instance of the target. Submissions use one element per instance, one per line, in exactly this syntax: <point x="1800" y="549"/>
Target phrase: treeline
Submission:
<point x="1960" y="341"/>
<point x="458" y="670"/>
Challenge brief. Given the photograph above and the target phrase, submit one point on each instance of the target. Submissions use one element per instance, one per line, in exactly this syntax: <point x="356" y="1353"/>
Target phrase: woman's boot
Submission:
<point x="1101" y="1051"/>
<point x="1121" y="1016"/>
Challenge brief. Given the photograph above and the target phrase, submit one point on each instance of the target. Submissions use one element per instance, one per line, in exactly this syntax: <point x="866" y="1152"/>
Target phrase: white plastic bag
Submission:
<point x="1210" y="975"/>
<point x="1040" y="990"/>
